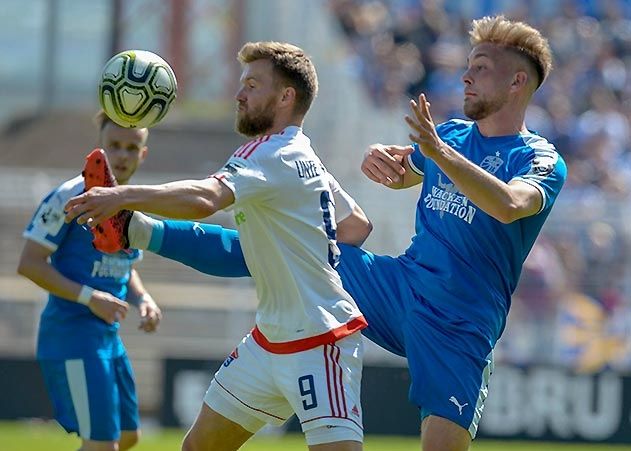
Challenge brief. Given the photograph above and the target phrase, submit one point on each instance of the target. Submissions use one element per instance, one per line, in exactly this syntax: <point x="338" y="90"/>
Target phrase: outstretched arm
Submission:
<point x="506" y="202"/>
<point x="185" y="199"/>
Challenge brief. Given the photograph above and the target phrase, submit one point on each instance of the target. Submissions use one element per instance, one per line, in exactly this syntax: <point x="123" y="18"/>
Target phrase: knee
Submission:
<point x="128" y="439"/>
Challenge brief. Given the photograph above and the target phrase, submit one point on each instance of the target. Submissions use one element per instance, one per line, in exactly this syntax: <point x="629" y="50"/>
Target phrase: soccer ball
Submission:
<point x="136" y="88"/>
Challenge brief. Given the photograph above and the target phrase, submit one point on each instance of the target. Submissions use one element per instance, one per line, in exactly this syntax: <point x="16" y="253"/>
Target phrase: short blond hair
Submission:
<point x="291" y="64"/>
<point x="101" y="120"/>
<point x="517" y="36"/>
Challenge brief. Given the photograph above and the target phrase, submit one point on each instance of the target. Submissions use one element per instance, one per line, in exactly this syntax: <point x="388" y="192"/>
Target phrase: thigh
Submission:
<point x="244" y="390"/>
<point x="84" y="396"/>
<point x="323" y="386"/>
<point x="440" y="434"/>
<point x="128" y="401"/>
<point x="449" y="372"/>
<point x="378" y="285"/>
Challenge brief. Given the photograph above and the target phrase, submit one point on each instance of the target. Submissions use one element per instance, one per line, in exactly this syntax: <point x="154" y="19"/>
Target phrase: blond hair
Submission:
<point x="516" y="36"/>
<point x="101" y="119"/>
<point x="291" y="64"/>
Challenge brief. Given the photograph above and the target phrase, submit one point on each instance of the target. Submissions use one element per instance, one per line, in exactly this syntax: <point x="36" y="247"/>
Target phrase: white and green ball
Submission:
<point x="136" y="88"/>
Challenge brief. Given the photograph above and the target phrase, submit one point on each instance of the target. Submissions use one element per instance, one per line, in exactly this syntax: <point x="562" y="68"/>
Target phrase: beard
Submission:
<point x="483" y="108"/>
<point x="257" y="122"/>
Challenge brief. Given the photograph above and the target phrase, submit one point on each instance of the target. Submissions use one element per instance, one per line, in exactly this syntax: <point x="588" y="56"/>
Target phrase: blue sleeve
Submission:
<point x="208" y="248"/>
<point x="48" y="226"/>
<point x="544" y="169"/>
<point x="417" y="160"/>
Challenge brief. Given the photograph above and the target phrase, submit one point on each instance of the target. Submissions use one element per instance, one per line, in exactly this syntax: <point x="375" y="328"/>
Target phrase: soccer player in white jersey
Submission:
<point x="83" y="360"/>
<point x="304" y="355"/>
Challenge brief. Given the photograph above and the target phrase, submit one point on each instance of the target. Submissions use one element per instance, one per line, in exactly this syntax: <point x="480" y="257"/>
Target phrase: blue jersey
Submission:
<point x="463" y="262"/>
<point x="69" y="330"/>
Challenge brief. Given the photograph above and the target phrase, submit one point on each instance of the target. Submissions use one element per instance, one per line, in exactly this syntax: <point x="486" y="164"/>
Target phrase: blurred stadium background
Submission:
<point x="564" y="361"/>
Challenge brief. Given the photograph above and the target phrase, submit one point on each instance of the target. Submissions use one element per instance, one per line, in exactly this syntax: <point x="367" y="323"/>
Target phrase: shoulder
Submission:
<point x="540" y="157"/>
<point x="269" y="147"/>
<point x="454" y="127"/>
<point x="253" y="148"/>
<point x="542" y="151"/>
<point x="68" y="189"/>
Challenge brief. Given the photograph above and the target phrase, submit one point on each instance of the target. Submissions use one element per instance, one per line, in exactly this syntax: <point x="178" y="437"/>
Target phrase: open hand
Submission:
<point x="94" y="206"/>
<point x="423" y="129"/>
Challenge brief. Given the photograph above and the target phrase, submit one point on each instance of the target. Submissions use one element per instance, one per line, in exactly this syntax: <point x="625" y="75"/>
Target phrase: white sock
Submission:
<point x="140" y="230"/>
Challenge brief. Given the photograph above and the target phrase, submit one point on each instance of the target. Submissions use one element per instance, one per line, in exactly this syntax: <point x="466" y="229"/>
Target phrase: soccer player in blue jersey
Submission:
<point x="488" y="186"/>
<point x="83" y="360"/>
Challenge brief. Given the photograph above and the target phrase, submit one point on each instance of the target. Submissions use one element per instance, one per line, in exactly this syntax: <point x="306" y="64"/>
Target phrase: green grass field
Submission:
<point x="37" y="436"/>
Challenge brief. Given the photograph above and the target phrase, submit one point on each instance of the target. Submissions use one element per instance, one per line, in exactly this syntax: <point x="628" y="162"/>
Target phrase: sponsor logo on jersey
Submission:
<point x="110" y="266"/>
<point x="445" y="198"/>
<point x="239" y="217"/>
<point x="232" y="167"/>
<point x="492" y="163"/>
<point x="50" y="218"/>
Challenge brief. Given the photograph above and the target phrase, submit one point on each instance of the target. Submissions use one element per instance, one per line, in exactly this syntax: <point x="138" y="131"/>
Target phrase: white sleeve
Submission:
<point x="344" y="203"/>
<point x="248" y="180"/>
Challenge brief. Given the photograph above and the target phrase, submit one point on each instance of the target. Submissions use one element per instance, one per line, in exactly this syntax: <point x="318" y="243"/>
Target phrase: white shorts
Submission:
<point x="321" y="386"/>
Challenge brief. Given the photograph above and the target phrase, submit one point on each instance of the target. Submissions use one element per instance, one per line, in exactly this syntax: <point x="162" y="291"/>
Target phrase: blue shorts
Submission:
<point x="449" y="365"/>
<point x="93" y="397"/>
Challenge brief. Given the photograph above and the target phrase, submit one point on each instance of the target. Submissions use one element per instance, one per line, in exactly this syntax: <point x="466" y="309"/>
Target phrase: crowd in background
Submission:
<point x="573" y="304"/>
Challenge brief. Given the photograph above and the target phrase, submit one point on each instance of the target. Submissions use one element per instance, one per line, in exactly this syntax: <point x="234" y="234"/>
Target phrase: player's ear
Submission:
<point x="143" y="154"/>
<point x="288" y="96"/>
<point x="520" y="79"/>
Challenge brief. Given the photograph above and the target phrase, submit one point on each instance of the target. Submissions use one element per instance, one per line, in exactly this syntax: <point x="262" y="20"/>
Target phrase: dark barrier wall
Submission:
<point x="537" y="403"/>
<point x="524" y="403"/>
<point x="23" y="393"/>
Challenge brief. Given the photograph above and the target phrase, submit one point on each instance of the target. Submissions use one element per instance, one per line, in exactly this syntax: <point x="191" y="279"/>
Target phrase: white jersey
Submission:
<point x="285" y="211"/>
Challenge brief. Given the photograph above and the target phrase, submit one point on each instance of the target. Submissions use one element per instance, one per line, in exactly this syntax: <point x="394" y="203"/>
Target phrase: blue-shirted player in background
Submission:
<point x="487" y="189"/>
<point x="83" y="360"/>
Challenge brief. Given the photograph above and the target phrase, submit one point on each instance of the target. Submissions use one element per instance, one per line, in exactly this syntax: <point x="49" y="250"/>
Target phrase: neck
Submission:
<point x="503" y="122"/>
<point x="280" y="125"/>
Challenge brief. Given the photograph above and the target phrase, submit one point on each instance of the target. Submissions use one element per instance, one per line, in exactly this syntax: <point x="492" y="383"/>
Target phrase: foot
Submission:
<point x="111" y="235"/>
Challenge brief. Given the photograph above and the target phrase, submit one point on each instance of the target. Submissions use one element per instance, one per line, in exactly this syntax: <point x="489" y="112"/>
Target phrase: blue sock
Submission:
<point x="208" y="248"/>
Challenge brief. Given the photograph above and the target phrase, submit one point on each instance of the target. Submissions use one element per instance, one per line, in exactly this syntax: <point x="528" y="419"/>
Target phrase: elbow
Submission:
<point x="202" y="209"/>
<point x="507" y="215"/>
<point x="24" y="269"/>
<point x="357" y="235"/>
<point x="368" y="229"/>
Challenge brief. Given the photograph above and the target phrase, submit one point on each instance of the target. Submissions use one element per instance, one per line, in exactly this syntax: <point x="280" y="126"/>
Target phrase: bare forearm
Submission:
<point x="187" y="199"/>
<point x="51" y="280"/>
<point x="489" y="193"/>
<point x="135" y="288"/>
